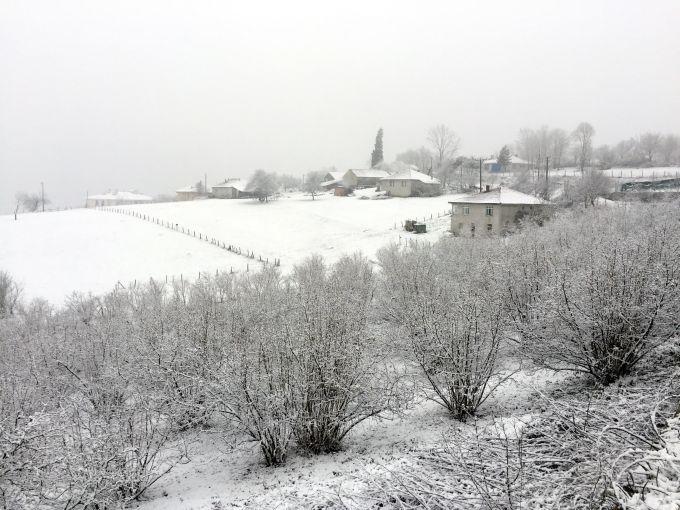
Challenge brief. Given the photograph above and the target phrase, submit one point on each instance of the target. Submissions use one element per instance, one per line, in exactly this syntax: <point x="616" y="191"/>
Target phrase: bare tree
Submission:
<point x="591" y="185"/>
<point x="649" y="144"/>
<point x="31" y="202"/>
<point x="559" y="143"/>
<point x="421" y="158"/>
<point x="583" y="135"/>
<point x="263" y="185"/>
<point x="312" y="184"/>
<point x="444" y="142"/>
<point x="670" y="149"/>
<point x="10" y="294"/>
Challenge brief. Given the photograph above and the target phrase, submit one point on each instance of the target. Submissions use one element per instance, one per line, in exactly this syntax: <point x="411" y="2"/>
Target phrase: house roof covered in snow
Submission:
<point x="335" y="176"/>
<point x="122" y="196"/>
<point x="499" y="196"/>
<point x="371" y="172"/>
<point x="188" y="189"/>
<point x="238" y="184"/>
<point x="514" y="160"/>
<point x="411" y="175"/>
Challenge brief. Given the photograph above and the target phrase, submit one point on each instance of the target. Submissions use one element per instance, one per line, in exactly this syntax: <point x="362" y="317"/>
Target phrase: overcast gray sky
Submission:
<point x="153" y="94"/>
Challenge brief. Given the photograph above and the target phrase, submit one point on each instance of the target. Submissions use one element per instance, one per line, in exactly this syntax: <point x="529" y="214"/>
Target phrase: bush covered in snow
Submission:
<point x="596" y="292"/>
<point x="448" y="298"/>
<point x="95" y="397"/>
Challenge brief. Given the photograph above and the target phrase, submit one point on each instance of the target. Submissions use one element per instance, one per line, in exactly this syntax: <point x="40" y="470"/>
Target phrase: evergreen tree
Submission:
<point x="377" y="154"/>
<point x="504" y="157"/>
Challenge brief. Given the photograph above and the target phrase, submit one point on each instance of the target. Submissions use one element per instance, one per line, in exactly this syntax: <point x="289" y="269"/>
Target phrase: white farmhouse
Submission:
<point x="231" y="188"/>
<point x="117" y="198"/>
<point x="493" y="211"/>
<point x="410" y="183"/>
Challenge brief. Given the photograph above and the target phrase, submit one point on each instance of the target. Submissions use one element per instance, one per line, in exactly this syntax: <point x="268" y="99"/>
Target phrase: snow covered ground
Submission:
<point x="630" y="174"/>
<point x="53" y="254"/>
<point x="222" y="474"/>
<point x="295" y="226"/>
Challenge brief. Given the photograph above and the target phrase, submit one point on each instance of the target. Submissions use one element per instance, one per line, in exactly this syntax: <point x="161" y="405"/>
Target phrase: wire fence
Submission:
<point x="230" y="247"/>
<point x="181" y="279"/>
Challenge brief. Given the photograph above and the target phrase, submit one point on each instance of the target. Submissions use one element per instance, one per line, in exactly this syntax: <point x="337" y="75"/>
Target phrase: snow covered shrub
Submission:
<point x="340" y="376"/>
<point x="78" y="417"/>
<point x="10" y="292"/>
<point x="253" y="382"/>
<point x="296" y="359"/>
<point x="447" y="296"/>
<point x="605" y="294"/>
<point x="176" y="326"/>
<point x="583" y="452"/>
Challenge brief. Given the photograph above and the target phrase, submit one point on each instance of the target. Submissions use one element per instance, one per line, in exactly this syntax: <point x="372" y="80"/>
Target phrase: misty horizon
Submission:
<point x="153" y="96"/>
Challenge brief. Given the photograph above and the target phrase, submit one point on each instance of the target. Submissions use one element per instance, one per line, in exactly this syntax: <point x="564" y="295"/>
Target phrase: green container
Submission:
<point x="420" y="228"/>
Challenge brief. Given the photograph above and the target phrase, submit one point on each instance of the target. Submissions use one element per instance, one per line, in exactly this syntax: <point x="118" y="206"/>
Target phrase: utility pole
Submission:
<point x="42" y="195"/>
<point x="547" y="163"/>
<point x="205" y="184"/>
<point x="480" y="175"/>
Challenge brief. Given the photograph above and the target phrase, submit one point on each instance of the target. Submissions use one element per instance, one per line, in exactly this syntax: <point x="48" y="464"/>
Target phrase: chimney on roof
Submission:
<point x="488" y="188"/>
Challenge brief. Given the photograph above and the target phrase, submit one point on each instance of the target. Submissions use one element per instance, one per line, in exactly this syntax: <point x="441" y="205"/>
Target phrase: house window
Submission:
<point x="489" y="227"/>
<point x="466" y="210"/>
<point x="489" y="210"/>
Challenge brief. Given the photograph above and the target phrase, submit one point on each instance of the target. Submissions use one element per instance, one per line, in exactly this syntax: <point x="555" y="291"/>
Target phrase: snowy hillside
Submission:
<point x="55" y="253"/>
<point x="295" y="226"/>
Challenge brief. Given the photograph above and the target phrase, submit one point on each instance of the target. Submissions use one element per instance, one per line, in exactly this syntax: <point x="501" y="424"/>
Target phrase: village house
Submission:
<point x="117" y="198"/>
<point x="188" y="193"/>
<point x="410" y="183"/>
<point x="331" y="180"/>
<point x="231" y="188"/>
<point x="494" y="211"/>
<point x="516" y="164"/>
<point x="358" y="178"/>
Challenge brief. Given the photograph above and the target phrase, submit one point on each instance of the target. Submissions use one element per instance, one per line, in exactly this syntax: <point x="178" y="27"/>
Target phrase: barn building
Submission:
<point x="362" y="178"/>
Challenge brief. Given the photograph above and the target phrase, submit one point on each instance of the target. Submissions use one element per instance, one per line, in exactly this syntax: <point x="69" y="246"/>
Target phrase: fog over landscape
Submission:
<point x="340" y="256"/>
<point x="152" y="95"/>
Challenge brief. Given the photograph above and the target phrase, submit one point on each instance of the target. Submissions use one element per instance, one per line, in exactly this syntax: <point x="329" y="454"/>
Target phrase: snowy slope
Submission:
<point x="296" y="226"/>
<point x="53" y="254"/>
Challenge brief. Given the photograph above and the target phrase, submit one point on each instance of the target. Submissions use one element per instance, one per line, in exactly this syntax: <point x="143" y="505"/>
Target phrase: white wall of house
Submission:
<point x="487" y="218"/>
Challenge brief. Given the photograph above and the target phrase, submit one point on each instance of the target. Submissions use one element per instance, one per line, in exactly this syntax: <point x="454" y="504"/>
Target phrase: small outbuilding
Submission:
<point x="362" y="178"/>
<point x="188" y="193"/>
<point x="410" y="183"/>
<point x="231" y="188"/>
<point x="332" y="179"/>
<point x="117" y="198"/>
<point x="494" y="211"/>
<point x="516" y="164"/>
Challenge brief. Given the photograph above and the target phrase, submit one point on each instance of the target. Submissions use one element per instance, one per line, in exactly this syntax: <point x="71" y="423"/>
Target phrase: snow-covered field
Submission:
<point x="295" y="226"/>
<point x="56" y="253"/>
<point x="630" y="174"/>
<point x="53" y="254"/>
